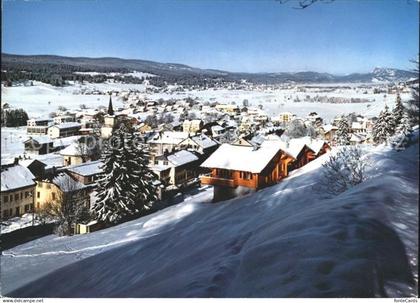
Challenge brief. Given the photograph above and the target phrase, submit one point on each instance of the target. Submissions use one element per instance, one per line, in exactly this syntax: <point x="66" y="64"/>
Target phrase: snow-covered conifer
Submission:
<point x="342" y="135"/>
<point x="126" y="184"/>
<point x="384" y="127"/>
<point x="398" y="111"/>
<point x="403" y="133"/>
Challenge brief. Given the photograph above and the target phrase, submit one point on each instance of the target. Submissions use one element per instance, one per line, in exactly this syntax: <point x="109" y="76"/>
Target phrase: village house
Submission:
<point x="237" y="169"/>
<point x="52" y="162"/>
<point x="217" y="131"/>
<point x="36" y="167"/>
<point x="176" y="170"/>
<point x="165" y="141"/>
<point x="60" y="186"/>
<point x="86" y="173"/>
<point x="230" y="109"/>
<point x="38" y="127"/>
<point x="247" y="166"/>
<point x="76" y="153"/>
<point x="201" y="144"/>
<point x="329" y="131"/>
<point x="285" y="117"/>
<point x="39" y="145"/>
<point x="64" y="130"/>
<point x="192" y="126"/>
<point x="64" y="119"/>
<point x="303" y="150"/>
<point x="17" y="190"/>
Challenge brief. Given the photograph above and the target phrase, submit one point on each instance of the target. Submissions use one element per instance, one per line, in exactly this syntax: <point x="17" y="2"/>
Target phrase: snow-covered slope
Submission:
<point x="283" y="241"/>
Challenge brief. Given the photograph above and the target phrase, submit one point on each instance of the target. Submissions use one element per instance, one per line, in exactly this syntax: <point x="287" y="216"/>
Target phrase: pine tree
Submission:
<point x="342" y="135"/>
<point x="403" y="133"/>
<point x="389" y="119"/>
<point x="398" y="111"/>
<point x="384" y="127"/>
<point x="378" y="131"/>
<point x="126" y="184"/>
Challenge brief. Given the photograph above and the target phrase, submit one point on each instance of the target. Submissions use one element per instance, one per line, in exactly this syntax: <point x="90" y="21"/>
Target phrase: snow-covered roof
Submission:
<point x="74" y="149"/>
<point x="217" y="128"/>
<point x="51" y="160"/>
<point x="357" y="138"/>
<point x="294" y="146"/>
<point x="204" y="141"/>
<point x="356" y="125"/>
<point x="27" y="162"/>
<point x="328" y="127"/>
<point x="87" y="169"/>
<point x="40" y="139"/>
<point x="67" y="125"/>
<point x="243" y="158"/>
<point x="182" y="157"/>
<point x="169" y="137"/>
<point x="67" y="183"/>
<point x="66" y="141"/>
<point x="314" y="144"/>
<point x="16" y="177"/>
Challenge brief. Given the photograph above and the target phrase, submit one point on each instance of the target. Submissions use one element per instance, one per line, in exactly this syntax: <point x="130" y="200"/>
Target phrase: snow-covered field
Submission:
<point x="283" y="241"/>
<point x="41" y="99"/>
<point x="15" y="223"/>
<point x="282" y="100"/>
<point x="12" y="139"/>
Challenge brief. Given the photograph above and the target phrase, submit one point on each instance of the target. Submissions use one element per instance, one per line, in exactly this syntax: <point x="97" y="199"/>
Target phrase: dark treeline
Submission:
<point x="13" y="117"/>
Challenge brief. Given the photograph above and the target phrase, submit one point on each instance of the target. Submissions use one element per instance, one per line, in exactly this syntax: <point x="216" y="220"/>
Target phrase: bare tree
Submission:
<point x="301" y="4"/>
<point x="69" y="207"/>
<point x="342" y="171"/>
<point x="88" y="148"/>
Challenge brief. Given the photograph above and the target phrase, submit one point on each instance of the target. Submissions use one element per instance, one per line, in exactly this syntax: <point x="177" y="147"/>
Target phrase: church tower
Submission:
<point x="110" y="108"/>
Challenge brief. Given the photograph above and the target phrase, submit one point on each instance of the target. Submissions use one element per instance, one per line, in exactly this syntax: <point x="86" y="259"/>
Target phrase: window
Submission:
<point x="246" y="175"/>
<point x="48" y="186"/>
<point x="53" y="196"/>
<point x="224" y="173"/>
<point x="27" y="207"/>
<point x="38" y="194"/>
<point x="165" y="162"/>
<point x="21" y="195"/>
<point x="26" y="194"/>
<point x="5" y="213"/>
<point x="11" y="198"/>
<point x="6" y="199"/>
<point x="156" y="162"/>
<point x="16" y="197"/>
<point x="10" y="212"/>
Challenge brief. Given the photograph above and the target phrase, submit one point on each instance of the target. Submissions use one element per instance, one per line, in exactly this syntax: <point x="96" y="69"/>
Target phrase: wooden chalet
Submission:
<point x="238" y="167"/>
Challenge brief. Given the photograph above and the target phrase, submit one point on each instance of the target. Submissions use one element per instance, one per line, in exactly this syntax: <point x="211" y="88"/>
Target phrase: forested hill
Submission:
<point x="57" y="69"/>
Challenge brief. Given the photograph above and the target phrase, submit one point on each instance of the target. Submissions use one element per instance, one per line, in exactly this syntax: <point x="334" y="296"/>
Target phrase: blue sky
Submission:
<point x="251" y="36"/>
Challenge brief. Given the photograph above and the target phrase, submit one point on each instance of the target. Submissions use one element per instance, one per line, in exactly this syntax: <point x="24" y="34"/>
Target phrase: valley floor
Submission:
<point x="284" y="241"/>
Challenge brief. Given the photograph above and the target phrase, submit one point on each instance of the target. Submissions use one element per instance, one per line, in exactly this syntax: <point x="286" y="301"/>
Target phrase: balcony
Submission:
<point x="209" y="180"/>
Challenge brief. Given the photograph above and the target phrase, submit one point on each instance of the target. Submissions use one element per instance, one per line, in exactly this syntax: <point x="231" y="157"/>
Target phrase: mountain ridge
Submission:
<point x="13" y="61"/>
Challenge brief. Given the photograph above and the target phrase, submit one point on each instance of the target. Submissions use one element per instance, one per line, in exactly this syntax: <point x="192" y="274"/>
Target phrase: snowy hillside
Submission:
<point x="283" y="241"/>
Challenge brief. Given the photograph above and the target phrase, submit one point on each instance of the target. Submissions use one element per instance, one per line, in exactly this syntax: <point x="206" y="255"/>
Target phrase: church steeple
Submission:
<point x="110" y="109"/>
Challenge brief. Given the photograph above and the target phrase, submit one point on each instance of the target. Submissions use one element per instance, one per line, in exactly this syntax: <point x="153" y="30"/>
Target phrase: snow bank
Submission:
<point x="283" y="241"/>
